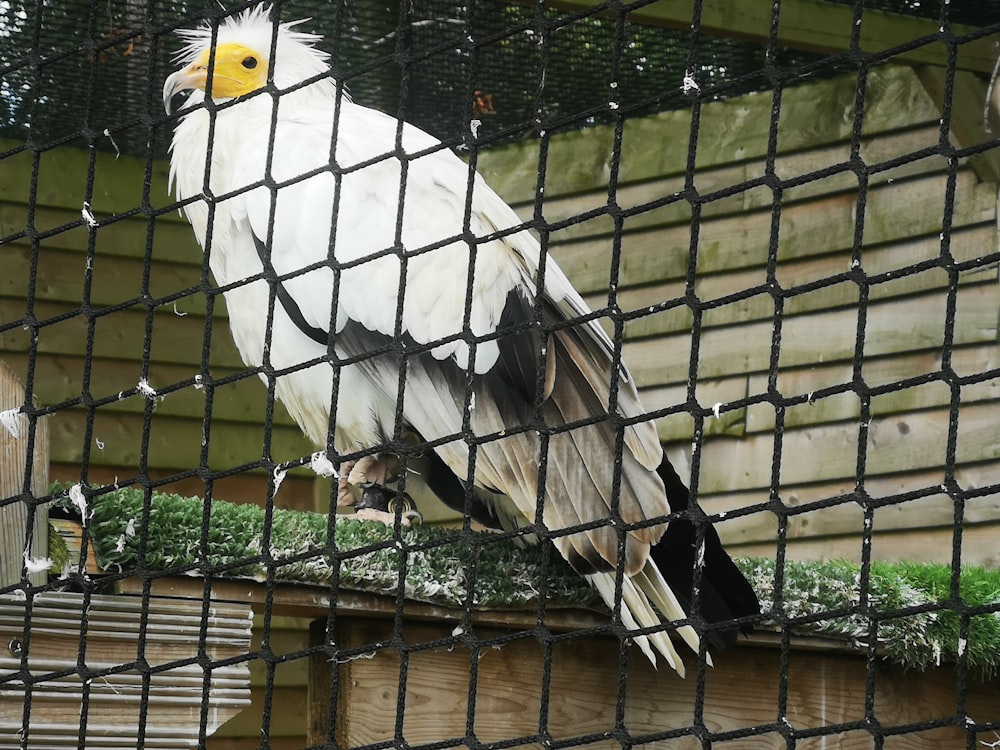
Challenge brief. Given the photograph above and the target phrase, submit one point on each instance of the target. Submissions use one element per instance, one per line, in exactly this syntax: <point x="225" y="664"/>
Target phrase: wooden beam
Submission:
<point x="577" y="692"/>
<point x="968" y="98"/>
<point x="815" y="26"/>
<point x="305" y="600"/>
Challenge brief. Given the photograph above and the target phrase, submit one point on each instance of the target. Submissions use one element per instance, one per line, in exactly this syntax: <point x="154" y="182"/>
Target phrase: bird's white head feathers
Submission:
<point x="288" y="57"/>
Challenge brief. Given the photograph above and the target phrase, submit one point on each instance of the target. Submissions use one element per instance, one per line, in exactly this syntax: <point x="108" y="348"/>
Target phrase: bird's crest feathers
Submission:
<point x="255" y="28"/>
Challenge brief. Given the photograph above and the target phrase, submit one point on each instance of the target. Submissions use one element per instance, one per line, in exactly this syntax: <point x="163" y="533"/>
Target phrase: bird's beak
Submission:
<point x="190" y="78"/>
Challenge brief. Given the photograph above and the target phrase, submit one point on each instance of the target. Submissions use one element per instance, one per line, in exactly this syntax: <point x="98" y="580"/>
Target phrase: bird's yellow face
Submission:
<point x="236" y="70"/>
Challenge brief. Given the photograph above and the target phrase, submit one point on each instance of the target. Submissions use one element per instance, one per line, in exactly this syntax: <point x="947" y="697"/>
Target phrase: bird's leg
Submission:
<point x="362" y="484"/>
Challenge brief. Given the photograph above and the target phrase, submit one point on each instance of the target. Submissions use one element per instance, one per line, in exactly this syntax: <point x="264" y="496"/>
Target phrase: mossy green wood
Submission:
<point x="818" y="26"/>
<point x="736" y="130"/>
<point x="119" y="184"/>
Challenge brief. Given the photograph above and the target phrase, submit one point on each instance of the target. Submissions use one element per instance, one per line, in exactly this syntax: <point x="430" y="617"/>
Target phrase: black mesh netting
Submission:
<point x="53" y="55"/>
<point x="784" y="270"/>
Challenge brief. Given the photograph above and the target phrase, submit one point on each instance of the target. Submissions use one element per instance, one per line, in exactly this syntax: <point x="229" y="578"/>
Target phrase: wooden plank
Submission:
<point x="312" y="602"/>
<point x="830" y="452"/>
<point x="174" y="443"/>
<point x="172" y="240"/>
<point x="979" y="546"/>
<point x="589" y="694"/>
<point x="876" y="371"/>
<point x="59" y="378"/>
<point x="788" y="166"/>
<point x="815" y="26"/>
<point x="175" y="339"/>
<point x="968" y="97"/>
<point x="898" y="211"/>
<point x="935" y="510"/>
<point x="115" y="280"/>
<point x="15" y="465"/>
<point x="802" y="381"/>
<point x="709" y="392"/>
<point x="62" y="175"/>
<point x="822" y="337"/>
<point x="966" y="244"/>
<point x="734" y="130"/>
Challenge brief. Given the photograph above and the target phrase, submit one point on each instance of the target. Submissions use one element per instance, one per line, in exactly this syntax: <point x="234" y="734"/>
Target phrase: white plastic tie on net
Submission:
<point x="146" y="389"/>
<point x="11" y="421"/>
<point x="107" y="134"/>
<point x="78" y="499"/>
<point x="322" y="465"/>
<point x="689" y="83"/>
<point x="36" y="564"/>
<point x="279" y="476"/>
<point x="88" y="215"/>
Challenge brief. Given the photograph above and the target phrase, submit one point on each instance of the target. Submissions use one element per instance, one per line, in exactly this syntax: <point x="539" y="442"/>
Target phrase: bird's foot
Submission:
<point x="354" y="475"/>
<point x="381" y="503"/>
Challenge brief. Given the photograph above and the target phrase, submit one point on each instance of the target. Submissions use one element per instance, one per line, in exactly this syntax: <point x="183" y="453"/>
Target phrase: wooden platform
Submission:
<point x="504" y="680"/>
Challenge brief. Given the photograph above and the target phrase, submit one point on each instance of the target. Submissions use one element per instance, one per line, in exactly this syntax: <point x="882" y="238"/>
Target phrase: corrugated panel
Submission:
<point x="159" y="667"/>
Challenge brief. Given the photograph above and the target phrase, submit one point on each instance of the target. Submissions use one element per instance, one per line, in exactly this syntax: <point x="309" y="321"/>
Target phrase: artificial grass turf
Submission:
<point x="909" y="609"/>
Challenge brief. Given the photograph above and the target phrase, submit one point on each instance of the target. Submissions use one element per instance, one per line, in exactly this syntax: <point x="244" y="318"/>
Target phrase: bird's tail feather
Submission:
<point x="650" y="581"/>
<point x="639" y="595"/>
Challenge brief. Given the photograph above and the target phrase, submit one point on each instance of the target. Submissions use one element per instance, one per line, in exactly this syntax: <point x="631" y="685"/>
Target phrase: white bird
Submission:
<point x="440" y="312"/>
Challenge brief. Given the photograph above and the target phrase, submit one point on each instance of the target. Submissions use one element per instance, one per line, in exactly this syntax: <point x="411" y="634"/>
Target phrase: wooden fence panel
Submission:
<point x="904" y="313"/>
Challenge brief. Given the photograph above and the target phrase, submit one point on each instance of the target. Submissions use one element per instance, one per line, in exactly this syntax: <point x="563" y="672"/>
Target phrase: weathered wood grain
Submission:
<point x="815" y="26"/>
<point x="828" y="509"/>
<point x="62" y="177"/>
<point x="906" y="325"/>
<point x="730" y="131"/>
<point x="928" y="544"/>
<point x="174" y="443"/>
<point x="897" y="444"/>
<point x="826" y="225"/>
<point x="24" y="456"/>
<point x="517" y="701"/>
<point x="643" y="199"/>
<point x="58" y="377"/>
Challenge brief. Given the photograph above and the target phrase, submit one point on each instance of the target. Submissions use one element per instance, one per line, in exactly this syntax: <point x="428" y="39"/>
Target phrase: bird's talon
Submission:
<point x="384" y="517"/>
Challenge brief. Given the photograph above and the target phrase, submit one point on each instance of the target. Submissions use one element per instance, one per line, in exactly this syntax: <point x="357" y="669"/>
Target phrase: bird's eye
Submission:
<point x="249" y="63"/>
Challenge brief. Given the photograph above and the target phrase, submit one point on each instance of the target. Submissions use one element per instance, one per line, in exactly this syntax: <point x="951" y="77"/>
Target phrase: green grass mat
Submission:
<point x="816" y="598"/>
<point x="366" y="556"/>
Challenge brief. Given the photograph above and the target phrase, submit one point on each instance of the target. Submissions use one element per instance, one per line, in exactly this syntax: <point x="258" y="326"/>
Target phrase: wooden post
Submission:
<point x="319" y="688"/>
<point x="13" y="462"/>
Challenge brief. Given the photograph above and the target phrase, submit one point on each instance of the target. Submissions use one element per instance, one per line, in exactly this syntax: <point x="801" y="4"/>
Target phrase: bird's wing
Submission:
<point x="441" y="231"/>
<point x="354" y="211"/>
